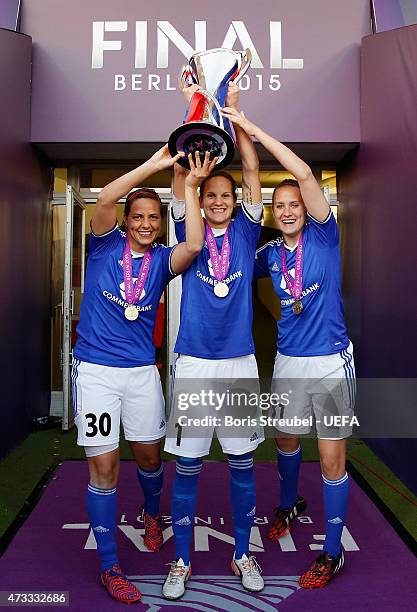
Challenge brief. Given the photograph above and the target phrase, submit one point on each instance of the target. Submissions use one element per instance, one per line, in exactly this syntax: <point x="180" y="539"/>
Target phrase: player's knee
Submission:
<point x="288" y="445"/>
<point x="147" y="456"/>
<point x="333" y="467"/>
<point x="103" y="474"/>
<point x="150" y="462"/>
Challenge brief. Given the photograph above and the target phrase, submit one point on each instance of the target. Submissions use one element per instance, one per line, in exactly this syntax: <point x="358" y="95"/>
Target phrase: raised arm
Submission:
<point x="104" y="216"/>
<point x="313" y="197"/>
<point x="251" y="184"/>
<point x="185" y="252"/>
<point x="178" y="181"/>
<point x="180" y="173"/>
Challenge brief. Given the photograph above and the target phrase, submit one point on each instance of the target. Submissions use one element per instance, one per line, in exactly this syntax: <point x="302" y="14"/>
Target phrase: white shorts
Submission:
<point x="323" y="386"/>
<point x="234" y="441"/>
<point x="102" y="395"/>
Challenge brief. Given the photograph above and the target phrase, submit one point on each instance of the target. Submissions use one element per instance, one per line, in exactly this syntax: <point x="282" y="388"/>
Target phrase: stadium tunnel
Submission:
<point x="340" y="91"/>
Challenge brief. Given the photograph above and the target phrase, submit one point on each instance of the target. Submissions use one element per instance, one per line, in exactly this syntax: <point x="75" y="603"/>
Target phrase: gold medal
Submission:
<point x="131" y="313"/>
<point x="297" y="307"/>
<point x="221" y="290"/>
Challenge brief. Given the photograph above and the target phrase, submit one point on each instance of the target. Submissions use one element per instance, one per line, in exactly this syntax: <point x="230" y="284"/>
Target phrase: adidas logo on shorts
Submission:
<point x="100" y="529"/>
<point x="254" y="437"/>
<point x="162" y="424"/>
<point x="252" y="512"/>
<point x="184" y="521"/>
<point x="335" y="521"/>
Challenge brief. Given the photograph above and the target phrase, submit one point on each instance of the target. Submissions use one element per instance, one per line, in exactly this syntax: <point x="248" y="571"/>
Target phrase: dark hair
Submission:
<point x="285" y="183"/>
<point x="141" y="194"/>
<point x="222" y="174"/>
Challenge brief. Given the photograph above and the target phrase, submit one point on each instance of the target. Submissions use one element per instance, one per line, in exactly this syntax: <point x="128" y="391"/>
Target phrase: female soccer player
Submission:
<point x="314" y="352"/>
<point x="215" y="341"/>
<point x="114" y="374"/>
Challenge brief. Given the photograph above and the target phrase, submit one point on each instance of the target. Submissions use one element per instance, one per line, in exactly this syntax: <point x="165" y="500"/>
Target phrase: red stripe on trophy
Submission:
<point x="197" y="108"/>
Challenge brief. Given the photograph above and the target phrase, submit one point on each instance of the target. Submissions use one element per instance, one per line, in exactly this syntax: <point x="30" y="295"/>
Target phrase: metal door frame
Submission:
<point x="73" y="198"/>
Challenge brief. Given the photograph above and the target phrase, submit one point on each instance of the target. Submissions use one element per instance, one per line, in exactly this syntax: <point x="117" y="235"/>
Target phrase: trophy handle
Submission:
<point x="185" y="77"/>
<point x="246" y="57"/>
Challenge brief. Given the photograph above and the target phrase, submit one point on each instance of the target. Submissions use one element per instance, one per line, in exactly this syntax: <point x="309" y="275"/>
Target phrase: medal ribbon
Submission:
<point x="220" y="264"/>
<point x="133" y="293"/>
<point x="296" y="287"/>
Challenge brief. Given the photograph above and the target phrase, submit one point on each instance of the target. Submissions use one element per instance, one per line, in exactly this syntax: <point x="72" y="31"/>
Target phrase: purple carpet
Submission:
<point x="55" y="549"/>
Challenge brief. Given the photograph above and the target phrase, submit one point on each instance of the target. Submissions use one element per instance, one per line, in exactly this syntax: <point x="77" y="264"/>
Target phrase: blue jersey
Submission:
<point x="320" y="328"/>
<point x="105" y="336"/>
<point x="212" y="327"/>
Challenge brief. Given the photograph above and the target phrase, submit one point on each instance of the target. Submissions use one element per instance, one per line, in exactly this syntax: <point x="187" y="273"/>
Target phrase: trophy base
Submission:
<point x="202" y="136"/>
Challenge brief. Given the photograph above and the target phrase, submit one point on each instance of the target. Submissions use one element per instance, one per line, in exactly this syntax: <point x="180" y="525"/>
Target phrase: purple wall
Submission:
<point x="24" y="252"/>
<point x="378" y="190"/>
<point x="72" y="102"/>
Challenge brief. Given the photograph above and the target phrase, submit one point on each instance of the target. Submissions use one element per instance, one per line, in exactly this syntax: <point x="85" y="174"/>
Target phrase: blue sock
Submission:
<point x="288" y="471"/>
<point x="151" y="484"/>
<point x="101" y="506"/>
<point x="336" y="496"/>
<point x="242" y="489"/>
<point x="184" y="499"/>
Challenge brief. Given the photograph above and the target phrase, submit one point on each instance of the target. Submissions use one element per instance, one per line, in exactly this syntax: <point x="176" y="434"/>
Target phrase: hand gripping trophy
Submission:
<point x="204" y="128"/>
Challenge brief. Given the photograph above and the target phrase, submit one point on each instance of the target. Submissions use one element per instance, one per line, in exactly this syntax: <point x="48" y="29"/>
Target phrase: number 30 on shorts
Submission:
<point x="101" y="425"/>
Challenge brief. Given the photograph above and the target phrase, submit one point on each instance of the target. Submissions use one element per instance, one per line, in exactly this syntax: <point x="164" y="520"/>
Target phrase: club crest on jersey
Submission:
<point x="210" y="267"/>
<point x="123" y="290"/>
<point x="227" y="280"/>
<point x="283" y="284"/>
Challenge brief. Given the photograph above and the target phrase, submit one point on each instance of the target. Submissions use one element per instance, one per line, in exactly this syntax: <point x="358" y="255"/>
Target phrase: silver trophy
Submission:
<point x="204" y="128"/>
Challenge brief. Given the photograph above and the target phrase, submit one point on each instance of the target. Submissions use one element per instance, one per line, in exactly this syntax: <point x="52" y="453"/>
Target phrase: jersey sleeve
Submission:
<point x="248" y="222"/>
<point x="166" y="254"/>
<point x="101" y="246"/>
<point x="325" y="233"/>
<point x="180" y="231"/>
<point x="261" y="268"/>
<point x="177" y="209"/>
<point x="178" y="216"/>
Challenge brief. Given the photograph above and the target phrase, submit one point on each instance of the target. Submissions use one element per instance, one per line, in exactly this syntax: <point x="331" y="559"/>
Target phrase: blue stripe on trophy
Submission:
<point x="221" y="98"/>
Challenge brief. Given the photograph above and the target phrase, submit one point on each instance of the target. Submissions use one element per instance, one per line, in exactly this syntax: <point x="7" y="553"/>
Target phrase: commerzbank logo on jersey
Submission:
<point x="210" y="280"/>
<point x="284" y="287"/>
<point x="121" y="301"/>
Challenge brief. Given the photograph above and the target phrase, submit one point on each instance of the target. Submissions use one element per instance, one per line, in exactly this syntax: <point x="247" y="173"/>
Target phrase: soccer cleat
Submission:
<point x="250" y="573"/>
<point x="153" y="538"/>
<point x="322" y="571"/>
<point x="283" y="519"/>
<point x="174" y="585"/>
<point x="119" y="587"/>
